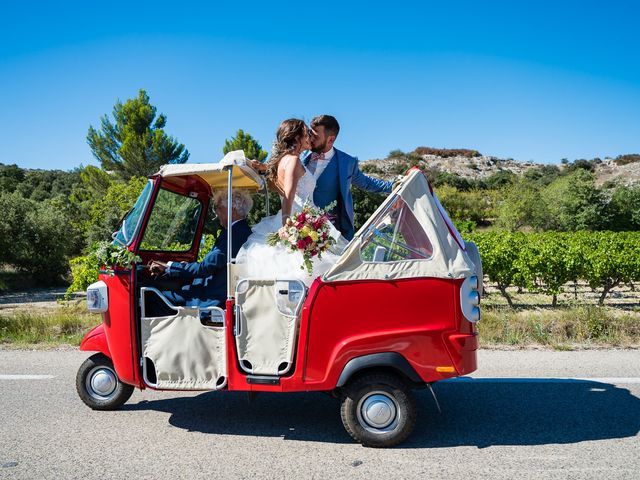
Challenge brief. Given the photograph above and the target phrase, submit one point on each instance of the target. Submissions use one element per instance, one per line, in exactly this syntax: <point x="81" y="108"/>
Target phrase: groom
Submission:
<point x="335" y="171"/>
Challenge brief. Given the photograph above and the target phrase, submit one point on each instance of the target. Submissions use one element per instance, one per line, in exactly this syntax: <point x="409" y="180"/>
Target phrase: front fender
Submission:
<point x="95" y="341"/>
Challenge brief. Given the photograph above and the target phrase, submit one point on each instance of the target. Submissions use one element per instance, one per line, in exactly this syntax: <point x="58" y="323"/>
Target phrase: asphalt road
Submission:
<point x="524" y="414"/>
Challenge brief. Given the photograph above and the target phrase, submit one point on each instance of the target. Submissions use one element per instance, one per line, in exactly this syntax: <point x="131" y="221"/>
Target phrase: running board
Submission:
<point x="263" y="380"/>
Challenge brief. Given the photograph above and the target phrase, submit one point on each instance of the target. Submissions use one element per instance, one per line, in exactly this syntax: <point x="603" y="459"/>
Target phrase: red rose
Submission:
<point x="301" y="244"/>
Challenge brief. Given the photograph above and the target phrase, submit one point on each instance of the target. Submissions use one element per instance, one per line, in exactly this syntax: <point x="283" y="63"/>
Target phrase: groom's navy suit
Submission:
<point x="209" y="277"/>
<point x="334" y="184"/>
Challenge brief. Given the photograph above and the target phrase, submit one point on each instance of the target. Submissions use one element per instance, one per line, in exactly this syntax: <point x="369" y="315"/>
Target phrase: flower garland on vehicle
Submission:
<point x="307" y="232"/>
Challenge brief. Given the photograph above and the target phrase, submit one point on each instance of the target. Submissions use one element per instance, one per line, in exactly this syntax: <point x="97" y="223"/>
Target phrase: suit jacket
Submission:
<point x="349" y="173"/>
<point x="209" y="277"/>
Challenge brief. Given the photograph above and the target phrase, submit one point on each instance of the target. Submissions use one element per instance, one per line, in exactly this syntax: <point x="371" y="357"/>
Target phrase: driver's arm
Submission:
<point x="212" y="262"/>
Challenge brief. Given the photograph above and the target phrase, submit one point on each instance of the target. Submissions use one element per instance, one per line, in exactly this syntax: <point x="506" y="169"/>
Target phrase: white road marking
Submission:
<point x="614" y="380"/>
<point x="26" y="377"/>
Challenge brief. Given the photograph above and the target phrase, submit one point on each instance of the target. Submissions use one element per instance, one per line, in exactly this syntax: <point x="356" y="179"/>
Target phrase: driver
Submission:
<point x="208" y="279"/>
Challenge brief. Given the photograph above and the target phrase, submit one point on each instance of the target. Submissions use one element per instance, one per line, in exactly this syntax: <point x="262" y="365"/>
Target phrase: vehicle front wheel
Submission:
<point x="378" y="410"/>
<point x="98" y="385"/>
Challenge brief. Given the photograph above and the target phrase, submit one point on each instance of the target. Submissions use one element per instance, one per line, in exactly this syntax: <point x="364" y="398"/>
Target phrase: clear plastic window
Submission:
<point x="130" y="222"/>
<point x="173" y="223"/>
<point x="395" y="234"/>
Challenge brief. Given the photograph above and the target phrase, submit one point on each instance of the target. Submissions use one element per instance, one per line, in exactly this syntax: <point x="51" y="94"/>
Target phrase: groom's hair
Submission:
<point x="330" y="124"/>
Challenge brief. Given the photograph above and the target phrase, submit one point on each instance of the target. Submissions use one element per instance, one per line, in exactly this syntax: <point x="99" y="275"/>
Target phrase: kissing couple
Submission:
<point x="306" y="167"/>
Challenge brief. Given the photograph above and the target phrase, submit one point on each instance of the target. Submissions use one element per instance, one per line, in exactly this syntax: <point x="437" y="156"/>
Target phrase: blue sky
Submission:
<point x="541" y="82"/>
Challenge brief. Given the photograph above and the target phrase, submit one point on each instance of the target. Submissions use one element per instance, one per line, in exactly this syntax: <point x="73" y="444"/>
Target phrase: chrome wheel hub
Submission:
<point x="378" y="412"/>
<point x="101" y="383"/>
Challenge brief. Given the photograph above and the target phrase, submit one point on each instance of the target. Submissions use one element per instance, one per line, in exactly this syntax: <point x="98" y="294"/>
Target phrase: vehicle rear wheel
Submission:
<point x="98" y="385"/>
<point x="378" y="410"/>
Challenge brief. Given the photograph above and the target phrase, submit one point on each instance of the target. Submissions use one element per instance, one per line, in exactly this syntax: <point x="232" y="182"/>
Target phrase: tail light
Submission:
<point x="470" y="298"/>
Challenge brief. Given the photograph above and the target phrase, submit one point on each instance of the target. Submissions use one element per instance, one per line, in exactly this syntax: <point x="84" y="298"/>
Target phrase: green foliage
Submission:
<point x="474" y="205"/>
<point x="364" y="204"/>
<point x="574" y="203"/>
<point x="542" y="263"/>
<point x="521" y="206"/>
<point x="259" y="209"/>
<point x="85" y="269"/>
<point x="624" y="208"/>
<point x="136" y="144"/>
<point x="114" y="256"/>
<point x="105" y="203"/>
<point x="367" y="167"/>
<point x="206" y="245"/>
<point x="542" y="175"/>
<point x="173" y="222"/>
<point x="35" y="237"/>
<point x="546" y="261"/>
<point x="498" y="180"/>
<point x="611" y="258"/>
<point x="465" y="226"/>
<point x="499" y="252"/>
<point x="245" y="142"/>
<point x="66" y="325"/>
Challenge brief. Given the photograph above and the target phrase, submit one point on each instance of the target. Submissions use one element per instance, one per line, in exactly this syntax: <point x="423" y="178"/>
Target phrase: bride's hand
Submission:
<point x="258" y="166"/>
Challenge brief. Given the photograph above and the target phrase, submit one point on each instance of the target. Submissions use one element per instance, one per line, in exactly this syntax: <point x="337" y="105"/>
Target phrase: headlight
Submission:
<point x="97" y="297"/>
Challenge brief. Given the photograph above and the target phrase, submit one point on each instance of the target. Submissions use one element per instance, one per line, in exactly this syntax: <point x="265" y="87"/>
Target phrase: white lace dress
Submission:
<point x="259" y="260"/>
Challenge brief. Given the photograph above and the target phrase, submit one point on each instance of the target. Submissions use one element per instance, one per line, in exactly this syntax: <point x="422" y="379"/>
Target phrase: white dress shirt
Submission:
<point x="317" y="166"/>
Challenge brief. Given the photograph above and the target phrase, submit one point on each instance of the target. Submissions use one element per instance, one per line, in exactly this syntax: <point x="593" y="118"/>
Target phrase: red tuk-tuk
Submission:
<point x="396" y="312"/>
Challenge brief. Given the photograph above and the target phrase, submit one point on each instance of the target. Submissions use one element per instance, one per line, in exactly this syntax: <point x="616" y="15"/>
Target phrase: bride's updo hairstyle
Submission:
<point x="288" y="137"/>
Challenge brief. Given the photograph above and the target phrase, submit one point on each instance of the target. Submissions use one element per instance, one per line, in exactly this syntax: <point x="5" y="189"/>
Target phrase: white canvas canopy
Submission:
<point x="215" y="174"/>
<point x="439" y="254"/>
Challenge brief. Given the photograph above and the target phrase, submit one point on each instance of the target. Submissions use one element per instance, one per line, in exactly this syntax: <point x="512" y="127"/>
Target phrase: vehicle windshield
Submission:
<point x="131" y="220"/>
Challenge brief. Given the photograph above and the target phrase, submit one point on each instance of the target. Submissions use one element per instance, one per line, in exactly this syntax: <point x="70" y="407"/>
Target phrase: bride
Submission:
<point x="295" y="184"/>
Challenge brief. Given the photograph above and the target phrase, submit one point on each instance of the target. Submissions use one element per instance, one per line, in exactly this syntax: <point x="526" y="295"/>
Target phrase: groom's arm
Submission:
<point x="369" y="184"/>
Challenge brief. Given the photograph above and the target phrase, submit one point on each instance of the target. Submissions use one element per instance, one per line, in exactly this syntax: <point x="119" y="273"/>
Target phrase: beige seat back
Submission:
<point x="267" y="314"/>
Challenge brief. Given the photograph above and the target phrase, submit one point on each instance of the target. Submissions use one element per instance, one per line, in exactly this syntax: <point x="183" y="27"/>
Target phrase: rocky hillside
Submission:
<point x="623" y="170"/>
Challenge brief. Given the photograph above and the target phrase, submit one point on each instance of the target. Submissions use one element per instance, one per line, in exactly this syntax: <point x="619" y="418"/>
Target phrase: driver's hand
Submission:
<point x="157" y="268"/>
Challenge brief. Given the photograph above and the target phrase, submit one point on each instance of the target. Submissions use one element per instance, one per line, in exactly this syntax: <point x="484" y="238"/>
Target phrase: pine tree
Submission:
<point x="136" y="144"/>
<point x="243" y="141"/>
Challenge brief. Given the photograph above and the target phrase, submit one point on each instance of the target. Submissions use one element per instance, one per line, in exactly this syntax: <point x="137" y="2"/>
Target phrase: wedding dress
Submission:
<point x="257" y="259"/>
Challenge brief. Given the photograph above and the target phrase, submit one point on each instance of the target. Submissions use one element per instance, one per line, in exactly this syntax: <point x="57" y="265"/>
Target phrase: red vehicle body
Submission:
<point x="394" y="334"/>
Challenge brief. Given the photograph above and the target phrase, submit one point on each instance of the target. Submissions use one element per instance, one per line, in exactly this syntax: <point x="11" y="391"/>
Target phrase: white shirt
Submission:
<point x="318" y="166"/>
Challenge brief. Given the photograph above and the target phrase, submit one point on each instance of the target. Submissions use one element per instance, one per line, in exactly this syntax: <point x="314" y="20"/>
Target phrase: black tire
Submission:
<point x="98" y="384"/>
<point x="474" y="256"/>
<point x="384" y="394"/>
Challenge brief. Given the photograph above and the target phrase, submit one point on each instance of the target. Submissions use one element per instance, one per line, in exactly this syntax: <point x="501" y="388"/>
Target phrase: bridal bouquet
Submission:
<point x="307" y="232"/>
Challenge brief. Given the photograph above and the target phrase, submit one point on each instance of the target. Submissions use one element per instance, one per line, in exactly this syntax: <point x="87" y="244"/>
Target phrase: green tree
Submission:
<point x="245" y="142"/>
<point x="10" y="177"/>
<point x="35" y="237"/>
<point x="500" y="252"/>
<point x="574" y="202"/>
<point x="136" y="144"/>
<point x="625" y="208"/>
<point x="521" y="206"/>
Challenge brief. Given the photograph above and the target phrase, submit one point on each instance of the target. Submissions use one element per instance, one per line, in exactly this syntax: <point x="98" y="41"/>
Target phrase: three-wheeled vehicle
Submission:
<point x="396" y="312"/>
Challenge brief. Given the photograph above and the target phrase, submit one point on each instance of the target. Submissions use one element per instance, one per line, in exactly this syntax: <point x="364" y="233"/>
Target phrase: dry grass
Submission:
<point x="576" y="322"/>
<point x="64" y="325"/>
<point x="561" y="328"/>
